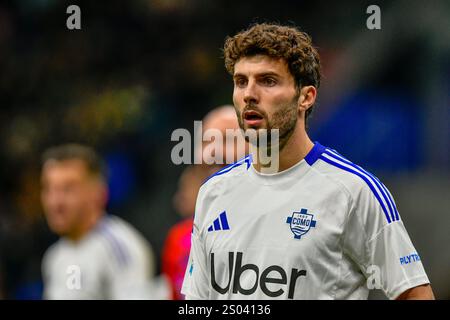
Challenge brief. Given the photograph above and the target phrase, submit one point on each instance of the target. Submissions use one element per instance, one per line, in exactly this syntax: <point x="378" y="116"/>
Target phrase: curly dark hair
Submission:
<point x="285" y="42"/>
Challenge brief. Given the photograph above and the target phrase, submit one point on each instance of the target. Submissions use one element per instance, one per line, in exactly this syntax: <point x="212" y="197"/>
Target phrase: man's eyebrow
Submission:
<point x="267" y="74"/>
<point x="239" y="75"/>
<point x="261" y="74"/>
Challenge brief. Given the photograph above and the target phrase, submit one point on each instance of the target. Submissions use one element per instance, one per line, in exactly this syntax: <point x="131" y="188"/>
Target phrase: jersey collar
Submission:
<point x="291" y="174"/>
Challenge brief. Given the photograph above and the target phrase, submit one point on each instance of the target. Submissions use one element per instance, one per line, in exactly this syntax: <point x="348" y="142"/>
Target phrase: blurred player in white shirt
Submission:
<point x="99" y="256"/>
<point x="317" y="226"/>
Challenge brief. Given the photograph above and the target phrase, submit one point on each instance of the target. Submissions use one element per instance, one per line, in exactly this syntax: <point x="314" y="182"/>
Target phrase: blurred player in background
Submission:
<point x="317" y="226"/>
<point x="178" y="242"/>
<point x="99" y="256"/>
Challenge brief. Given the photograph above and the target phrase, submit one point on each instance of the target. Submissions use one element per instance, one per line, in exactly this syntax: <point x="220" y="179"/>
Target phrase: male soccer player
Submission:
<point x="320" y="226"/>
<point x="98" y="256"/>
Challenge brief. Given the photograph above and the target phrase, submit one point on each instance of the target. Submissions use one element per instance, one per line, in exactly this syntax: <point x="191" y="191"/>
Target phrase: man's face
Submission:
<point x="265" y="95"/>
<point x="230" y="148"/>
<point x="69" y="195"/>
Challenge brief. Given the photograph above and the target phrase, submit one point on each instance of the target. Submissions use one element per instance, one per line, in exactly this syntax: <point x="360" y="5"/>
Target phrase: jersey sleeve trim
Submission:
<point x="315" y="153"/>
<point x="407" y="284"/>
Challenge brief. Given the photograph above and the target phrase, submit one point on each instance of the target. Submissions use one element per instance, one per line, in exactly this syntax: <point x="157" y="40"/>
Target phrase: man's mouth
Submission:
<point x="253" y="118"/>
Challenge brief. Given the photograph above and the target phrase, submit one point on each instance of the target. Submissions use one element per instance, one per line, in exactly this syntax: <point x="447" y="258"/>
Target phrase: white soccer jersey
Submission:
<point x="113" y="261"/>
<point x="322" y="229"/>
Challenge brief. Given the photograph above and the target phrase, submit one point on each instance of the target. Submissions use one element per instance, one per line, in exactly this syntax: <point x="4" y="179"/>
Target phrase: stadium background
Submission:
<point x="139" y="69"/>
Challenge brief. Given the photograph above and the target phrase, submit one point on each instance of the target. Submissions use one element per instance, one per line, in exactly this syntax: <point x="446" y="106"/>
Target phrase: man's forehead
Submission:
<point x="260" y="64"/>
<point x="68" y="166"/>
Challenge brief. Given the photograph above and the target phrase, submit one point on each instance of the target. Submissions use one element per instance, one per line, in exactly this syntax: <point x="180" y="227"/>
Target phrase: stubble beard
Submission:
<point x="284" y="119"/>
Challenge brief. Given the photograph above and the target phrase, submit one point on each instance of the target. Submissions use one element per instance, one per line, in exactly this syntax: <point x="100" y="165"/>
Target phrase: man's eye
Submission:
<point x="240" y="82"/>
<point x="269" y="81"/>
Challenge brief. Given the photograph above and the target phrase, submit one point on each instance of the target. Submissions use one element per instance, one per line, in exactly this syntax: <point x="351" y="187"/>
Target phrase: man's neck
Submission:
<point x="85" y="227"/>
<point x="295" y="149"/>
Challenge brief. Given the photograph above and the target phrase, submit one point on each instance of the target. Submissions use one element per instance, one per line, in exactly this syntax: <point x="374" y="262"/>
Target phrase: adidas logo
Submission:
<point x="221" y="223"/>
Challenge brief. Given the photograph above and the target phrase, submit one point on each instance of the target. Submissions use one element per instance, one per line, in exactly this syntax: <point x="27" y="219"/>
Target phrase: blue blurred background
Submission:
<point x="137" y="70"/>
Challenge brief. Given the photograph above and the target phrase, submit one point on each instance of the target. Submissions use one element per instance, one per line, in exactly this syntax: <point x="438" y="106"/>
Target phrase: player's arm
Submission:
<point x="376" y="237"/>
<point x="196" y="281"/>
<point x="423" y="292"/>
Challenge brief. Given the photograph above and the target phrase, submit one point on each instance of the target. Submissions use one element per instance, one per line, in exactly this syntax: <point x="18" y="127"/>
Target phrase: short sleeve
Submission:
<point x="377" y="241"/>
<point x="196" y="284"/>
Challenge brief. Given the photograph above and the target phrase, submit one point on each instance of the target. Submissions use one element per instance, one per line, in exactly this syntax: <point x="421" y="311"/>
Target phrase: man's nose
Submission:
<point x="251" y="95"/>
<point x="52" y="197"/>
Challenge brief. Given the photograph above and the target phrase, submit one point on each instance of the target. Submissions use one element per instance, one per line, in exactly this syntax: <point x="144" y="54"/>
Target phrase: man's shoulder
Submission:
<point x="349" y="175"/>
<point x="362" y="185"/>
<point x="119" y="233"/>
<point x="53" y="251"/>
<point x="220" y="186"/>
<point x="115" y="225"/>
<point x="228" y="173"/>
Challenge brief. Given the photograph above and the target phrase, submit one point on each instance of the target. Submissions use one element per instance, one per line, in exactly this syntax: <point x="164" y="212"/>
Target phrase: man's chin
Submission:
<point x="60" y="230"/>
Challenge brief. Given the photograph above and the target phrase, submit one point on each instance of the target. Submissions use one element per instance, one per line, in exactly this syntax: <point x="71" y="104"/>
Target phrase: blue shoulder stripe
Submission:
<point x="228" y="168"/>
<point x="315" y="153"/>
<point x="117" y="247"/>
<point x="373" y="183"/>
<point x="384" y="192"/>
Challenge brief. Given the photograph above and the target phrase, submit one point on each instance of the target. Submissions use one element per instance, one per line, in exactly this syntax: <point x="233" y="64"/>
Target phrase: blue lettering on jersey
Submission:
<point x="409" y="259"/>
<point x="300" y="223"/>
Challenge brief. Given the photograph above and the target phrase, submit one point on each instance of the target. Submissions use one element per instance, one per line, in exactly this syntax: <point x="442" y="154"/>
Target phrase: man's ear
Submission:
<point x="307" y="97"/>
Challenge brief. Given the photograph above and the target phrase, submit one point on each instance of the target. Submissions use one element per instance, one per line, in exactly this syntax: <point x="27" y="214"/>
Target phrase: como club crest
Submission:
<point x="300" y="223"/>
